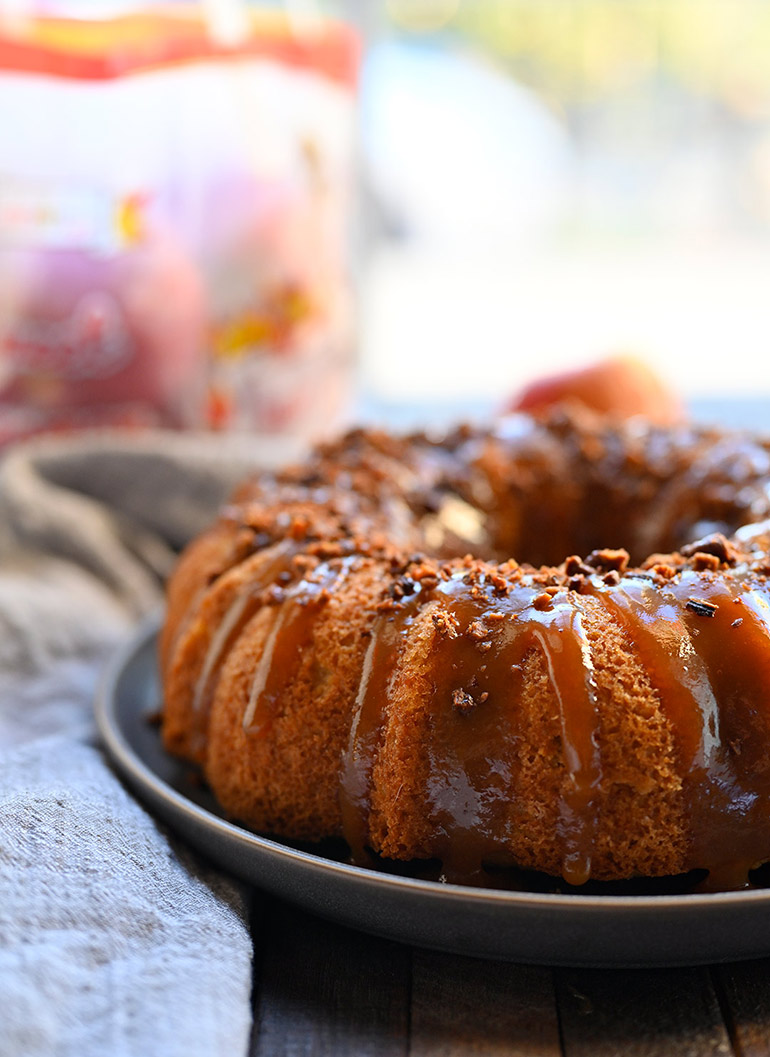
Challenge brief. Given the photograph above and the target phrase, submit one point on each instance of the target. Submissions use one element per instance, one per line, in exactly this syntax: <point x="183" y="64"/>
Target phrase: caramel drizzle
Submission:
<point x="288" y="639"/>
<point x="368" y="725"/>
<point x="478" y="824"/>
<point x="578" y="711"/>
<point x="168" y="642"/>
<point x="730" y="811"/>
<point x="703" y="639"/>
<point x="231" y="621"/>
<point x="242" y="608"/>
<point x="470" y="757"/>
<point x="712" y="674"/>
<point x="655" y="622"/>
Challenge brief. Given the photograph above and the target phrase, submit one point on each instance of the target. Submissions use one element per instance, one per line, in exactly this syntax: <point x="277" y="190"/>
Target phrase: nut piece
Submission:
<point x="607" y="559"/>
<point x="702" y="607"/>
<point x="462" y="702"/>
<point x="715" y="544"/>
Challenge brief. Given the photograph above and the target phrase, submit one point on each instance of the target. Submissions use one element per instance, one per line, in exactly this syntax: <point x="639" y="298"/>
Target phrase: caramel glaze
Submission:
<point x="703" y="638"/>
<point x="366" y="731"/>
<point x="247" y="600"/>
<point x="290" y="635"/>
<point x="242" y="608"/>
<point x="711" y="668"/>
<point x="476" y="677"/>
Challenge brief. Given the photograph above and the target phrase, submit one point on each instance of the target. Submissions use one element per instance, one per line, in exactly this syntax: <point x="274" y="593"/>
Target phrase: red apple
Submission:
<point x="620" y="387"/>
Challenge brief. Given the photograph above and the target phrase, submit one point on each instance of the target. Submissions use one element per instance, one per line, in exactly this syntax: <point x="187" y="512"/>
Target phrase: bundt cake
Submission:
<point x="351" y="650"/>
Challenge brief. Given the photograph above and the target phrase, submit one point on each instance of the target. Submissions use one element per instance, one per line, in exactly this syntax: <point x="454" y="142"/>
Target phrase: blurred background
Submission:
<point x="285" y="215"/>
<point x="556" y="180"/>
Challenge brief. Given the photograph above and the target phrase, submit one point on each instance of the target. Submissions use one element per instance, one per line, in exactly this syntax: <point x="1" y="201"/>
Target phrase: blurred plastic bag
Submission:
<point x="174" y="224"/>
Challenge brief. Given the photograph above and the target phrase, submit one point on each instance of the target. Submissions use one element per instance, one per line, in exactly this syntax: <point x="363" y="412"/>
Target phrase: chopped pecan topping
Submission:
<point x="446" y="623"/>
<point x="701" y="606"/>
<point x="715" y="544"/>
<point x="704" y="562"/>
<point x="607" y="559"/>
<point x="500" y="585"/>
<point x="477" y="630"/>
<point x="664" y="571"/>
<point x="298" y="530"/>
<point x="462" y="702"/>
<point x="404" y="585"/>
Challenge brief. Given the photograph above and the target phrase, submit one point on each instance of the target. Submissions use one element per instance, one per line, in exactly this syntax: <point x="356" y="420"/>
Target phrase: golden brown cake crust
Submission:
<point x="339" y="665"/>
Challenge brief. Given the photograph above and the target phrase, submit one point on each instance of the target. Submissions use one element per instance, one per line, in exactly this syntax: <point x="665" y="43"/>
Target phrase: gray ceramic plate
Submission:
<point x="518" y="926"/>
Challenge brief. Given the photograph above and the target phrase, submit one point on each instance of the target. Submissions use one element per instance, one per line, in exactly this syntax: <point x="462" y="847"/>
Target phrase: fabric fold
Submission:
<point x="114" y="937"/>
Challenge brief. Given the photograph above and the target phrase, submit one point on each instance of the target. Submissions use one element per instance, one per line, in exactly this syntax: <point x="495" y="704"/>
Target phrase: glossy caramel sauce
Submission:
<point x="289" y="637"/>
<point x="471" y="746"/>
<point x="244" y="604"/>
<point x="703" y="640"/>
<point x="367" y="728"/>
<point x="711" y="667"/>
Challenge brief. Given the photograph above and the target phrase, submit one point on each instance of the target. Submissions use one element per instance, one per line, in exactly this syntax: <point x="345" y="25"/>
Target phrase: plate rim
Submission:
<point x="131" y="765"/>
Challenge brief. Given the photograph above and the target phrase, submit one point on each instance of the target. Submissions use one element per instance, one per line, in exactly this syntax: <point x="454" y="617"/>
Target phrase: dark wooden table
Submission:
<point x="325" y="991"/>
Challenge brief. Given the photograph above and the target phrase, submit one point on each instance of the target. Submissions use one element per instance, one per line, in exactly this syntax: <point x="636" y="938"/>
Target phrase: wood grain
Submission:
<point x="640" y="1013"/>
<point x="463" y="1007"/>
<point x="745" y="992"/>
<point x="325" y="991"/>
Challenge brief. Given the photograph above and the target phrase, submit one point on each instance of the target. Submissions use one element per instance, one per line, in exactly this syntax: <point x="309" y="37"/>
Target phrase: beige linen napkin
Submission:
<point x="114" y="938"/>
